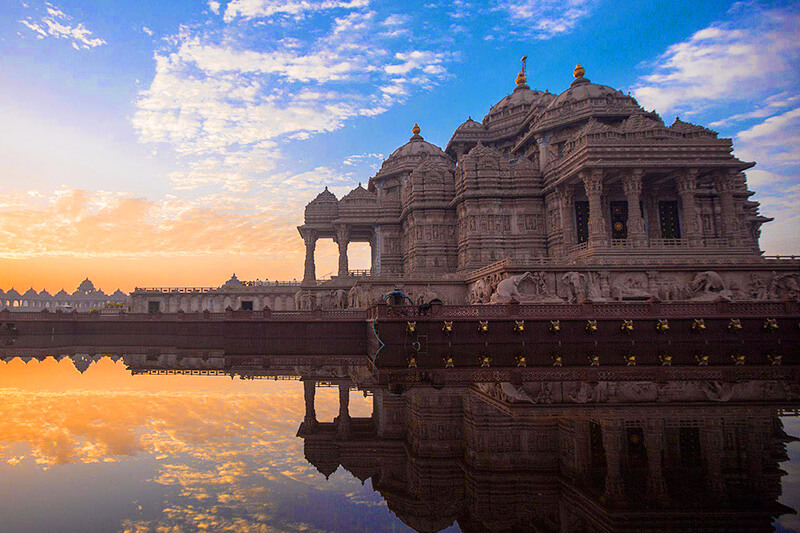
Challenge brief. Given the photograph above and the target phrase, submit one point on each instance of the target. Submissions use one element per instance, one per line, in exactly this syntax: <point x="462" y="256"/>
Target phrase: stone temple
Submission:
<point x="582" y="195"/>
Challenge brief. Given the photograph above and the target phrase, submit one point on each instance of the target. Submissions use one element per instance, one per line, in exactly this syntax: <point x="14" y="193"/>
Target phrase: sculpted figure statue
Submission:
<point x="508" y="290"/>
<point x="339" y="298"/>
<point x="576" y="286"/>
<point x="708" y="285"/>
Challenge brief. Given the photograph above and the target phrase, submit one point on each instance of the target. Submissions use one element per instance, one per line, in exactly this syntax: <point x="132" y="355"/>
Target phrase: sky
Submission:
<point x="157" y="143"/>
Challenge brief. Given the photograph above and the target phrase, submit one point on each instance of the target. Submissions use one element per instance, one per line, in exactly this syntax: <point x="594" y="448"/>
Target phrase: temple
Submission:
<point x="546" y="182"/>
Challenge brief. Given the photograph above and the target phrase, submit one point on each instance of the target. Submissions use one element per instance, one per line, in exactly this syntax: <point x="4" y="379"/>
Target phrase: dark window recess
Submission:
<point x="153" y="307"/>
<point x="637" y="454"/>
<point x="247" y="305"/>
<point x="689" y="442"/>
<point x="668" y="215"/>
<point x="619" y="220"/>
<point x="582" y="221"/>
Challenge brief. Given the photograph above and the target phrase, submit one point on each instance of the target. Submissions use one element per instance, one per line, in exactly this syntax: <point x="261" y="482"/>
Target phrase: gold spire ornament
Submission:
<point x="579" y="71"/>
<point x="415" y="130"/>
<point x="522" y="77"/>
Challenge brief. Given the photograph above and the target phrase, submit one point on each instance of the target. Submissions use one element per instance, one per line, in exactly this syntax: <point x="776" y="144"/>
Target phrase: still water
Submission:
<point x="110" y="449"/>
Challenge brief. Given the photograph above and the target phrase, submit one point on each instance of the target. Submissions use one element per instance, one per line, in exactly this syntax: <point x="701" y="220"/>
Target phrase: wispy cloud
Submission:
<point x="741" y="59"/>
<point x="296" y="8"/>
<point x="544" y="19"/>
<point x="742" y="74"/>
<point x="55" y="23"/>
<point x="228" y="104"/>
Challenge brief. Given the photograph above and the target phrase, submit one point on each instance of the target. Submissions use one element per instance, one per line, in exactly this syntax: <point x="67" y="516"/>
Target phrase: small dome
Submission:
<point x="415" y="146"/>
<point x="408" y="156"/>
<point x="61" y="294"/>
<point x="30" y="293"/>
<point x="470" y="125"/>
<point x="325" y="197"/>
<point x="322" y="209"/>
<point x="233" y="282"/>
<point x="86" y="286"/>
<point x="13" y="293"/>
<point x="45" y="294"/>
<point x="585" y="99"/>
<point x="118" y="294"/>
<point x="359" y="194"/>
<point x="518" y="102"/>
<point x="583" y="89"/>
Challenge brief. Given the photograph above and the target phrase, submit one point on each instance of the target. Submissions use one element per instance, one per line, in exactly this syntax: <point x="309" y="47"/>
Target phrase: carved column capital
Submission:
<point x="592" y="181"/>
<point x="632" y="182"/>
<point x="724" y="181"/>
<point x="342" y="233"/>
<point x="567" y="193"/>
<point x="687" y="182"/>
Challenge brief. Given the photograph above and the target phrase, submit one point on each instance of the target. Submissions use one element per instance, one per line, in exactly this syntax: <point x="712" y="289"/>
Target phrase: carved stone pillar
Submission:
<point x="724" y="182"/>
<point x="632" y="185"/>
<point x="343" y="239"/>
<point x="654" y="443"/>
<point x="612" y="442"/>
<point x="544" y="145"/>
<point x="690" y="222"/>
<point x="566" y="196"/>
<point x="593" y="182"/>
<point x="308" y="396"/>
<point x="343" y="420"/>
<point x="310" y="271"/>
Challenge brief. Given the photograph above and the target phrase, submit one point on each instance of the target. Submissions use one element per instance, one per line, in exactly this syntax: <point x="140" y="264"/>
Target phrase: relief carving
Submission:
<point x="630" y="287"/>
<point x="524" y="288"/>
<point x="709" y="286"/>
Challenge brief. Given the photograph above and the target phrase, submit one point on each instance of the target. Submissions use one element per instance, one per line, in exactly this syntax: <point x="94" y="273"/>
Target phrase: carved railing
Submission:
<point x="488" y="269"/>
<point x="580" y="247"/>
<point x="609" y="310"/>
<point x="175" y="289"/>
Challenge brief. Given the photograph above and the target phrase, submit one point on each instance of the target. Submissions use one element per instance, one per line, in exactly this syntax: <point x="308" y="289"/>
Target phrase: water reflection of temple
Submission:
<point x="503" y="457"/>
<point x="567" y="449"/>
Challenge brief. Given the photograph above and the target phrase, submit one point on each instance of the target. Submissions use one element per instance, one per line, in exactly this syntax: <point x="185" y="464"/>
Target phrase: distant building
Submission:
<point x="234" y="294"/>
<point x="85" y="298"/>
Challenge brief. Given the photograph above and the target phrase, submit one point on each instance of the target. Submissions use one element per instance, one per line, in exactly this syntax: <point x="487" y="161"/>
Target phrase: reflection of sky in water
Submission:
<point x="791" y="482"/>
<point x="110" y="451"/>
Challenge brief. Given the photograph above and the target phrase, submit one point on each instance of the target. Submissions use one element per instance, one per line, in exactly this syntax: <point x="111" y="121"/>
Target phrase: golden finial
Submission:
<point x="579" y="71"/>
<point x="415" y="130"/>
<point x="522" y="77"/>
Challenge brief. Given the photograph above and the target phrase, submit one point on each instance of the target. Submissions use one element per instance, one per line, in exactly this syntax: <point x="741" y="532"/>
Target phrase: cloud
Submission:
<point x="228" y="104"/>
<point x="742" y="74"/>
<point x="544" y="19"/>
<point x="776" y="139"/>
<point x="267" y="8"/>
<point x="56" y="23"/>
<point x="734" y="60"/>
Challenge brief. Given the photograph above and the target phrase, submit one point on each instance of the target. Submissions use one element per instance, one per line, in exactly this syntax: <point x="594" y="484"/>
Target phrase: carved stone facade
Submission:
<point x="581" y="195"/>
